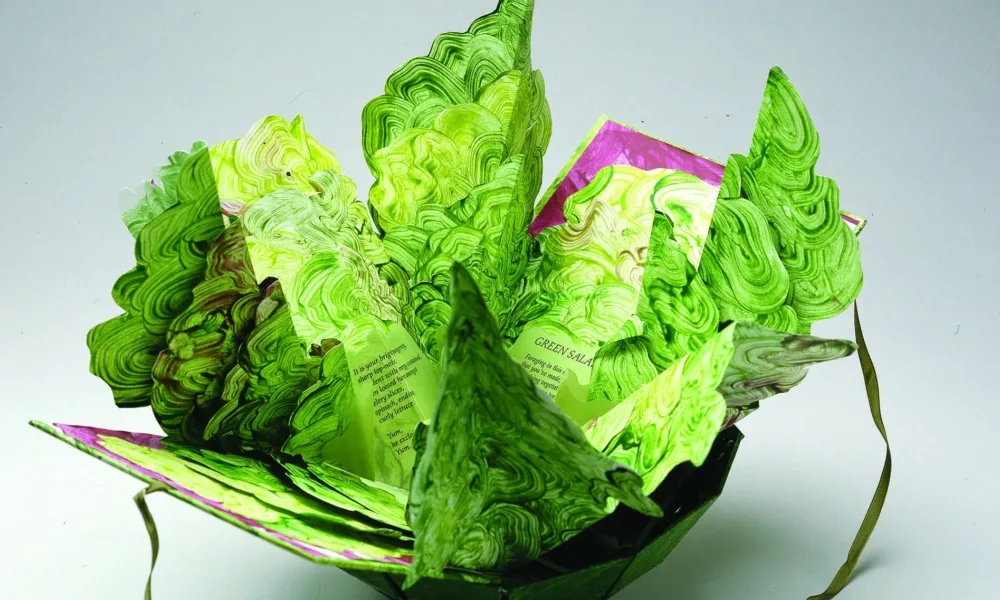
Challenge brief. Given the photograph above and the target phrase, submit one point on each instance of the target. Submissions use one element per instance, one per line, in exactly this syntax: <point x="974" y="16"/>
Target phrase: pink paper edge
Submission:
<point x="89" y="437"/>
<point x="618" y="145"/>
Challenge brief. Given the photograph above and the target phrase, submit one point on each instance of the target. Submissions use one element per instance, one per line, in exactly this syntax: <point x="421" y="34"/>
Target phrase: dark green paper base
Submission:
<point x="601" y="561"/>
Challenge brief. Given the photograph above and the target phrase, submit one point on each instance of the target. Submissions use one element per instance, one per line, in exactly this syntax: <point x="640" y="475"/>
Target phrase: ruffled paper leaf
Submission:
<point x="790" y="214"/>
<point x="204" y="341"/>
<point x="768" y="362"/>
<point x="262" y="390"/>
<point x="456" y="146"/>
<point x="274" y="154"/>
<point x="675" y="418"/>
<point x="171" y="252"/>
<point x="244" y="488"/>
<point x="345" y="490"/>
<point x="157" y="194"/>
<point x="269" y="484"/>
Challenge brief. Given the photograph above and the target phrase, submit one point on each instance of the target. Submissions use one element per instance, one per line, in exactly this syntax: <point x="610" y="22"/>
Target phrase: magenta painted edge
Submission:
<point x="89" y="436"/>
<point x="616" y="144"/>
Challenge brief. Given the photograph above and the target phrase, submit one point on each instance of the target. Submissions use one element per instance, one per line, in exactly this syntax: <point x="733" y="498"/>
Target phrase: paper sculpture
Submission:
<point x="450" y="390"/>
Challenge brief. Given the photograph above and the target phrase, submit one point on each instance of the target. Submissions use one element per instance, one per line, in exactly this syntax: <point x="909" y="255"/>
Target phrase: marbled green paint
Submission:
<point x="779" y="252"/>
<point x="171" y="253"/>
<point x="203" y="342"/>
<point x="253" y="494"/>
<point x="156" y="194"/>
<point x="505" y="475"/>
<point x="456" y="145"/>
<point x="698" y="306"/>
<point x="274" y="154"/>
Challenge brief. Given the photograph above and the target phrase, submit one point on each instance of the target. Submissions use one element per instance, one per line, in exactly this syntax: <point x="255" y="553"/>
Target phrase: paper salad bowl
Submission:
<point x="597" y="564"/>
<point x="452" y="390"/>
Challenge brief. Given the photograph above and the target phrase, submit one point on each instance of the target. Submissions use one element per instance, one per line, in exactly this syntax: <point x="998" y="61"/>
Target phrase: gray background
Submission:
<point x="905" y="94"/>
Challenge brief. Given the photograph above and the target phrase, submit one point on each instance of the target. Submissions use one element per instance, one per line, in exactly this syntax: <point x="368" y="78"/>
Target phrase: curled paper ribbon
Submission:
<point x="843" y="576"/>
<point x="154" y="538"/>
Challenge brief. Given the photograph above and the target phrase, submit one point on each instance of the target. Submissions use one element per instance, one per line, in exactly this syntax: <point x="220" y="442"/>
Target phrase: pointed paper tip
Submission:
<point x="410" y="581"/>
<point x="464" y="293"/>
<point x="468" y="305"/>
<point x="460" y="277"/>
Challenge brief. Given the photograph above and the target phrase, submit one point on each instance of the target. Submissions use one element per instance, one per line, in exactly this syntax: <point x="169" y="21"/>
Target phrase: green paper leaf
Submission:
<point x="247" y="488"/>
<point x="768" y="361"/>
<point x="267" y="482"/>
<point x="261" y="392"/>
<point x="675" y="418"/>
<point x="505" y="475"/>
<point x="817" y="273"/>
<point x="203" y="342"/>
<point x="170" y="252"/>
<point x="274" y="154"/>
<point x="340" y="488"/>
<point x="157" y="194"/>
<point x="455" y="145"/>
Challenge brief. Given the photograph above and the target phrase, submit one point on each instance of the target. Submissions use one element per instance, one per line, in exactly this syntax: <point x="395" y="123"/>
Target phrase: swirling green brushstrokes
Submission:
<point x="261" y="391"/>
<point x="675" y="417"/>
<point x="324" y="410"/>
<point x="456" y="145"/>
<point x="790" y="214"/>
<point x="305" y="228"/>
<point x="274" y="154"/>
<point x="677" y="313"/>
<point x="250" y="495"/>
<point x="620" y="274"/>
<point x="768" y="362"/>
<point x="340" y="488"/>
<point x="672" y="419"/>
<point x="203" y="342"/>
<point x="505" y="475"/>
<point x="159" y="193"/>
<point x="586" y="275"/>
<point x="268" y="482"/>
<point x="484" y="230"/>
<point x="320" y="246"/>
<point x="170" y="254"/>
<point x="677" y="310"/>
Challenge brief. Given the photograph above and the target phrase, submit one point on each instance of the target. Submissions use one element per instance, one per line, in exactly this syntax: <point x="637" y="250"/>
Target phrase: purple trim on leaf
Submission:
<point x="616" y="144"/>
<point x="91" y="437"/>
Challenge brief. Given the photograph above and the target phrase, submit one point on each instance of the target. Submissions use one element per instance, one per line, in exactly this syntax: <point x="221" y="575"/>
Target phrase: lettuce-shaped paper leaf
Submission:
<point x="170" y="252"/>
<point x="324" y="412"/>
<point x="157" y="194"/>
<point x="320" y="246"/>
<point x="268" y="482"/>
<point x="250" y="496"/>
<point x="203" y="342"/>
<point x="768" y="362"/>
<point x="586" y="276"/>
<point x="261" y="391"/>
<point x="274" y="154"/>
<point x="675" y="418"/>
<point x="345" y="490"/>
<point x="504" y="476"/>
<point x="456" y="145"/>
<point x="783" y="256"/>
<point x="678" y="316"/>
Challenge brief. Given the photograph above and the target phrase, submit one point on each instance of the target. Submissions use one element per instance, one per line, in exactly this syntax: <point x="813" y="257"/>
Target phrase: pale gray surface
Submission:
<point x="905" y="94"/>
